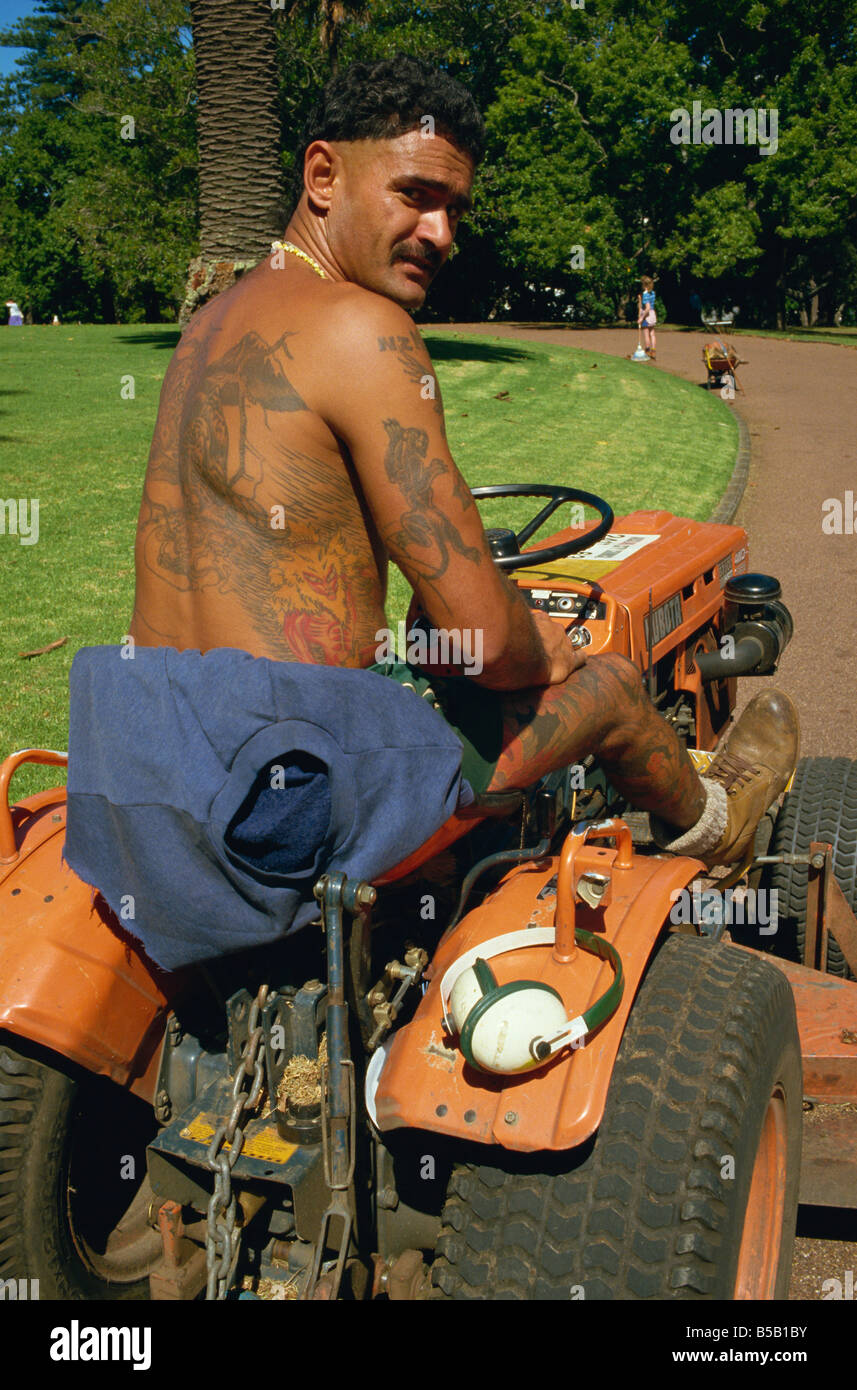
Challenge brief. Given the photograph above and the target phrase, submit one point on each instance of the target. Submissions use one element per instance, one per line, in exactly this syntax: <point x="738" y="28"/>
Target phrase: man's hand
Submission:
<point x="563" y="657"/>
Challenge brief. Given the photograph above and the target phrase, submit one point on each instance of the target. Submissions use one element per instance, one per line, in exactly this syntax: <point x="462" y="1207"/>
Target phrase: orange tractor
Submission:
<point x="540" y="1059"/>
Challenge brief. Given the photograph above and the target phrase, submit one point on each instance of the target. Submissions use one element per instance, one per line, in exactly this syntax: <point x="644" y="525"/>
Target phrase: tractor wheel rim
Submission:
<point x="761" y="1239"/>
<point x="120" y="1249"/>
<point x="132" y="1245"/>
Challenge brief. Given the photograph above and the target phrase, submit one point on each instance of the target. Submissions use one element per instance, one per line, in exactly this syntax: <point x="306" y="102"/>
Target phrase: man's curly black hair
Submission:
<point x="379" y="101"/>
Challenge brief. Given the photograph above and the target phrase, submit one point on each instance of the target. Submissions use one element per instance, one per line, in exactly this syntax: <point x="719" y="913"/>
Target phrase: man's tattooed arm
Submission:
<point x="418" y="367"/>
<point x="422" y="527"/>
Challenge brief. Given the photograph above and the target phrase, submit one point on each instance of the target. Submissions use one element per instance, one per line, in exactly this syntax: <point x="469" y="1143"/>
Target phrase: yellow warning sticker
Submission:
<point x="586" y="570"/>
<point x="600" y="559"/>
<point x="266" y="1143"/>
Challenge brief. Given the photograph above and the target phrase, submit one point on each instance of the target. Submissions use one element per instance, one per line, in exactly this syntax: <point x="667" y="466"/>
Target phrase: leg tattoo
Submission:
<point x="602" y="709"/>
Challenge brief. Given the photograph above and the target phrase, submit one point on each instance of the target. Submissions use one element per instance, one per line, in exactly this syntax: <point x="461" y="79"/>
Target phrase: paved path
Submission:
<point x="800" y="406"/>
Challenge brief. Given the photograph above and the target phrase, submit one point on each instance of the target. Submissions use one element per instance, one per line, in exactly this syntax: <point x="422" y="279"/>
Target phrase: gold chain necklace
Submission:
<point x="296" y="251"/>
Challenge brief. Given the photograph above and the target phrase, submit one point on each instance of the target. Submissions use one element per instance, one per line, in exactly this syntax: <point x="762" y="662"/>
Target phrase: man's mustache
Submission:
<point x="432" y="258"/>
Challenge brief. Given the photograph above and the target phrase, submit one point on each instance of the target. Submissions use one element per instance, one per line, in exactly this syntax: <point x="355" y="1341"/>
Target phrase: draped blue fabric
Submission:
<point x="207" y="793"/>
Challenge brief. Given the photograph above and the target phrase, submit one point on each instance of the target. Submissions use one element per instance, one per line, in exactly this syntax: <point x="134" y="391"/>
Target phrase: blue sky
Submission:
<point x="10" y="10"/>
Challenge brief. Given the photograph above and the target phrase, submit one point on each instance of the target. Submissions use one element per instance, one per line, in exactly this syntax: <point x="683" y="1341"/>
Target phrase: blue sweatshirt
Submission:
<point x="206" y="794"/>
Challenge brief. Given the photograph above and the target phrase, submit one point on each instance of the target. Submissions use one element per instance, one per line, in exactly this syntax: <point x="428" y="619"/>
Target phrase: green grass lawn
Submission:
<point x="638" y="437"/>
<point x="843" y="337"/>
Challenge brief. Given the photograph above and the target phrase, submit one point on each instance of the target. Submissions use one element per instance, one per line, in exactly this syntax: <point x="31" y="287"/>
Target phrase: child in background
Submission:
<point x="16" y="318"/>
<point x="646" y="316"/>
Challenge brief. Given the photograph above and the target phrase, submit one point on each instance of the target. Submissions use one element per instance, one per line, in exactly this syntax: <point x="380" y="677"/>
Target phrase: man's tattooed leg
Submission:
<point x="602" y="709"/>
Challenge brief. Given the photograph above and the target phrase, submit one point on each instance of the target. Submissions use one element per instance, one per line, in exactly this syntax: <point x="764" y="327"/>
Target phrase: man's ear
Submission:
<point x="321" y="169"/>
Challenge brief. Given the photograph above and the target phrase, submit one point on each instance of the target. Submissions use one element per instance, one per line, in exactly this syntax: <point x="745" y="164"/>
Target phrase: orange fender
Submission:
<point x="70" y="979"/>
<point x="425" y="1082"/>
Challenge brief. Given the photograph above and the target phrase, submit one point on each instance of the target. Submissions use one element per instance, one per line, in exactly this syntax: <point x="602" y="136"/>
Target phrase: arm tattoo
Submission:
<point x="411" y="352"/>
<point x="463" y="493"/>
<point x="603" y="709"/>
<point x="406" y="349"/>
<point x="423" y="525"/>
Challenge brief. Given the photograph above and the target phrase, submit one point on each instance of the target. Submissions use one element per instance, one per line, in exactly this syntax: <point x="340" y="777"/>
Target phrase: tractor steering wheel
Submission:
<point x="505" y="545"/>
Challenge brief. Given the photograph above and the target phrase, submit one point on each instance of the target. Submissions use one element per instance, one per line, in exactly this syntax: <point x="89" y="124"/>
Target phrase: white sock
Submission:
<point x="708" y="831"/>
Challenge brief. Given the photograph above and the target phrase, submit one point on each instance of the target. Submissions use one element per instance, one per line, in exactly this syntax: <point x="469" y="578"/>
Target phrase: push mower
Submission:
<point x="541" y="1059"/>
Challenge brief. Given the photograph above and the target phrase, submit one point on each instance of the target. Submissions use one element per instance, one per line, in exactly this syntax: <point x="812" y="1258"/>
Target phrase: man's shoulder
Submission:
<point x="339" y="318"/>
<point x="354" y="316"/>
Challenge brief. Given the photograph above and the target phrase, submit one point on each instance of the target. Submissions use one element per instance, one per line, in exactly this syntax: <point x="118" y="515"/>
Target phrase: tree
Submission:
<point x="581" y="191"/>
<point x="97" y="176"/>
<point x="241" y="197"/>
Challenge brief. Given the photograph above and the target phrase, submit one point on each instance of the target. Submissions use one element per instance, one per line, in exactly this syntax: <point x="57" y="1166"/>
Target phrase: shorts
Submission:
<point x="651" y="320"/>
<point x="472" y="712"/>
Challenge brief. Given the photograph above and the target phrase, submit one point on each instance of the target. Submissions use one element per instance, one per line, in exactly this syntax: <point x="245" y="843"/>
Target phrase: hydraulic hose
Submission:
<point x="750" y="652"/>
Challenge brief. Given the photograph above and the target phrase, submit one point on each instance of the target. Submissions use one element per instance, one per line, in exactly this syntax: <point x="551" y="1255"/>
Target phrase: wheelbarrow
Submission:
<point x="721" y="362"/>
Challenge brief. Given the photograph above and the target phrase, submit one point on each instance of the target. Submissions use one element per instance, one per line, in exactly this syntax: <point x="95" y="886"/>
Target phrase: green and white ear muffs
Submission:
<point x="515" y="1027"/>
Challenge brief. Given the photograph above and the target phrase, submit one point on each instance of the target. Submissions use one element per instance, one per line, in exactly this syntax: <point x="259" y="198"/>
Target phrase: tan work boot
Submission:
<point x="753" y="768"/>
<point x="745" y="778"/>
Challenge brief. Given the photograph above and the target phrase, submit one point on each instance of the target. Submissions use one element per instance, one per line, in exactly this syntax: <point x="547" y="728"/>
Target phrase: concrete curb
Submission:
<point x="731" y="499"/>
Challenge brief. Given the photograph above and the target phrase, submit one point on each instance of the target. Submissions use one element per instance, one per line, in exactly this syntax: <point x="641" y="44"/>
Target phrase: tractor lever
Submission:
<point x="338" y="1088"/>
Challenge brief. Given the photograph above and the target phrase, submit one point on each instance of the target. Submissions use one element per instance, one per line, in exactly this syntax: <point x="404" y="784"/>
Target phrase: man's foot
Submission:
<point x="744" y="779"/>
<point x="753" y="768"/>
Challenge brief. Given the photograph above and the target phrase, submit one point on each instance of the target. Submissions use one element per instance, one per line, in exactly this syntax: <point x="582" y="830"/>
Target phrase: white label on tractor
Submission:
<point x="618" y="546"/>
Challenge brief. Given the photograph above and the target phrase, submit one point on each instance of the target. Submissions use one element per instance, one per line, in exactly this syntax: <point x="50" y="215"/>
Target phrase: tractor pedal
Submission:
<point x="640" y="827"/>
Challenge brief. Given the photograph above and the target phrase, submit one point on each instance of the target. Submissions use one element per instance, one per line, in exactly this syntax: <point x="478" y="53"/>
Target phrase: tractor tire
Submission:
<point x="690" y="1187"/>
<point x="72" y="1214"/>
<point x="822" y="806"/>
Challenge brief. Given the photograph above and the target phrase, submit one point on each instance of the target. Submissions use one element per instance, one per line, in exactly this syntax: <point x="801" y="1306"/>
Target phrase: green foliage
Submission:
<point x="97" y="161"/>
<point x="718" y="233"/>
<point x="578" y="100"/>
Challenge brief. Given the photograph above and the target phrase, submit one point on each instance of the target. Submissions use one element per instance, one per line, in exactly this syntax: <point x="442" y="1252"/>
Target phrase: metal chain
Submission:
<point x="223" y="1236"/>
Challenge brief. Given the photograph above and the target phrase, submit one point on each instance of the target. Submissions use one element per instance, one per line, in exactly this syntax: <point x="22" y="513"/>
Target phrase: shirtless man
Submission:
<point x="295" y="453"/>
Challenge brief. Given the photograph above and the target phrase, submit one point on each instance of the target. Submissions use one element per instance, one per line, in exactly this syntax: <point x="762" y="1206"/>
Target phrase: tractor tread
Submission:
<point x="644" y="1213"/>
<point x="821" y="806"/>
<point x="39" y="1104"/>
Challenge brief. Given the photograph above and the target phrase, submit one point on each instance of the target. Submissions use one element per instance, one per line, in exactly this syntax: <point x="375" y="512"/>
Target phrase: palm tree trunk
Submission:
<point x="241" y="199"/>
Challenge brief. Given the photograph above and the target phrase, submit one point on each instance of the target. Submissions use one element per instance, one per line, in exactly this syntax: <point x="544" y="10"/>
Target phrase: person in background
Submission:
<point x="646" y="316"/>
<point x="16" y="318"/>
